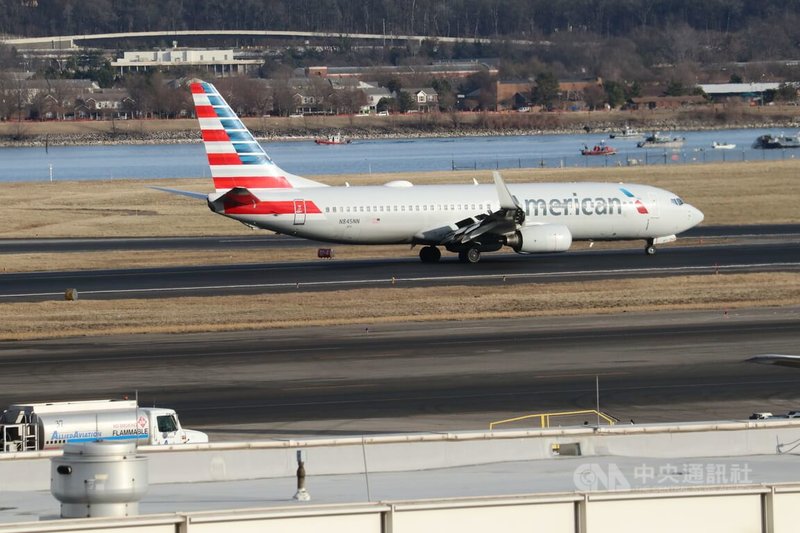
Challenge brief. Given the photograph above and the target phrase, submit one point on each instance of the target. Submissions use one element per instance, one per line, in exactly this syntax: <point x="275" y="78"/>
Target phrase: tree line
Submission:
<point x="465" y="19"/>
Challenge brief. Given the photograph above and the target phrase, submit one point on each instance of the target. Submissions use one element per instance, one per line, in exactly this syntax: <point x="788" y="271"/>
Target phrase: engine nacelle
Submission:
<point x="541" y="238"/>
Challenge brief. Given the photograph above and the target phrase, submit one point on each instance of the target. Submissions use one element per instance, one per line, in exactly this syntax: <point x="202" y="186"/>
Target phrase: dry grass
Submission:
<point x="738" y="193"/>
<point x="196" y="314"/>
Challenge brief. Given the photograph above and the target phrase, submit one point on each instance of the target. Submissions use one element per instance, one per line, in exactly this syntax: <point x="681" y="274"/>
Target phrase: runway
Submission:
<point x="268" y="240"/>
<point x="783" y="255"/>
<point x="427" y="377"/>
<point x="421" y="377"/>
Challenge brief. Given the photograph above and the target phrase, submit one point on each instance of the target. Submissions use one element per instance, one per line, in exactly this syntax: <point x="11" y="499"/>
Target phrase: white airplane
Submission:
<point x="463" y="219"/>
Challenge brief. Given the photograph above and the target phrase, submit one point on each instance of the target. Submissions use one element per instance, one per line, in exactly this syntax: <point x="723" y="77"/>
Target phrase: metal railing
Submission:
<point x="18" y="437"/>
<point x="627" y="158"/>
<point x="544" y="418"/>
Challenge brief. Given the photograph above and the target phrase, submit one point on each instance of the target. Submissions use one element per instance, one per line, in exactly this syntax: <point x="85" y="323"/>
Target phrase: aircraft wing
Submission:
<point x="503" y="221"/>
<point x="776" y="359"/>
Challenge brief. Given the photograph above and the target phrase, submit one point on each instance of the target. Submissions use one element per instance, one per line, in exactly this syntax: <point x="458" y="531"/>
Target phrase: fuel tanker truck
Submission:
<point x="46" y="426"/>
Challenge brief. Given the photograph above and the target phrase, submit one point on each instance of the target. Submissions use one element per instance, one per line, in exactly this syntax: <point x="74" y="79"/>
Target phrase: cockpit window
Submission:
<point x="677" y="201"/>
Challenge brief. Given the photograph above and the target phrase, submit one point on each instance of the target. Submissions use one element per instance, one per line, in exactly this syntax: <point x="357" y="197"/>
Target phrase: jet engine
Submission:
<point x="540" y="238"/>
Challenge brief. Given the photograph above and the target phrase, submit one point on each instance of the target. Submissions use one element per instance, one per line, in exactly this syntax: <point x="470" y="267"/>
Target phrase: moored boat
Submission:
<point x="656" y="140"/>
<point x="777" y="141"/>
<point x="337" y="138"/>
<point x="626" y="133"/>
<point x="722" y="146"/>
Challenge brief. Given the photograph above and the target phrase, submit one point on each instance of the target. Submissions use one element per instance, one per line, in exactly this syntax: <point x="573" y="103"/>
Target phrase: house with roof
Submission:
<point x="104" y="104"/>
<point x="513" y="94"/>
<point x="425" y="99"/>
<point x="374" y="95"/>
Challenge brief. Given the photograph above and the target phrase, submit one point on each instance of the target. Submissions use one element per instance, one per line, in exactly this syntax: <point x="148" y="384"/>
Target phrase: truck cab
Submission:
<point x="165" y="428"/>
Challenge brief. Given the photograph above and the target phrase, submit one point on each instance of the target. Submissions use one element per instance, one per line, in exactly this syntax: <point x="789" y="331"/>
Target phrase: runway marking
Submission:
<point x="583" y="375"/>
<point x="363" y="282"/>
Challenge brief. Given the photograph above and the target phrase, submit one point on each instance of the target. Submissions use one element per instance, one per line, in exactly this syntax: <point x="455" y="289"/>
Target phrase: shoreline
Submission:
<point x="270" y="129"/>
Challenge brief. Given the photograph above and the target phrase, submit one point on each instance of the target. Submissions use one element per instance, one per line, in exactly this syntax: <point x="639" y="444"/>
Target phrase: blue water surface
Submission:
<point x="377" y="156"/>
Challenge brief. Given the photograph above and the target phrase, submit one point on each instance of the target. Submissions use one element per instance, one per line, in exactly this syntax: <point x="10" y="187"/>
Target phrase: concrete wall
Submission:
<point x="393" y="453"/>
<point x="765" y="509"/>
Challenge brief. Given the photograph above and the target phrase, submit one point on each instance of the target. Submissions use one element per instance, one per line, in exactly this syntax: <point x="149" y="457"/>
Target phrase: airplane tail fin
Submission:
<point x="235" y="157"/>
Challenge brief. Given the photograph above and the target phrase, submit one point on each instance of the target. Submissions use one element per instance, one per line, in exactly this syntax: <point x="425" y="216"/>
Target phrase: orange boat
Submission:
<point x="599" y="149"/>
<point x="333" y="139"/>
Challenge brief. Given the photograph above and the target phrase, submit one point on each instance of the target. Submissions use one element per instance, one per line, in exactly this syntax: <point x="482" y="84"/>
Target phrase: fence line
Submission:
<point x="642" y="157"/>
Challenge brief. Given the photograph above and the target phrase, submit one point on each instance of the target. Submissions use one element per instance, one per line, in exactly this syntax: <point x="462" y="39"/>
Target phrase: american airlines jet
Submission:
<point x="464" y="219"/>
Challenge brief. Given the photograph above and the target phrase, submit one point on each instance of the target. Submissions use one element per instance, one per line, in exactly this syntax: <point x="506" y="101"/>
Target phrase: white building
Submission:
<point x="220" y="62"/>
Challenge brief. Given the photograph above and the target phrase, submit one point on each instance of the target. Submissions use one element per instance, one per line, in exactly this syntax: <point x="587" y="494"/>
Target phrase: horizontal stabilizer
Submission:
<point x="190" y="194"/>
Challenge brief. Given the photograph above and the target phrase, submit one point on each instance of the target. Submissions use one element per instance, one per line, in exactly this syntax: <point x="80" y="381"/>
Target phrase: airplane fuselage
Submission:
<point x="426" y="213"/>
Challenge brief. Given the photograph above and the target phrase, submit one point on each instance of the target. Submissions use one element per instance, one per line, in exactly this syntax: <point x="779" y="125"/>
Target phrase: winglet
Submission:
<point x="503" y="194"/>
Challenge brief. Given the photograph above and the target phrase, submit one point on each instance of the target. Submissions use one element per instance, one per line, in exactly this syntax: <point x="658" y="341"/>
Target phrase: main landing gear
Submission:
<point x="471" y="255"/>
<point x="650" y="247"/>
<point x="430" y="254"/>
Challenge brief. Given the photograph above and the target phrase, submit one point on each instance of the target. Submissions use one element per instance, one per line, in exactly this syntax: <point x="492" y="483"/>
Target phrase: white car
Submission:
<point x="760" y="416"/>
<point x="383" y="113"/>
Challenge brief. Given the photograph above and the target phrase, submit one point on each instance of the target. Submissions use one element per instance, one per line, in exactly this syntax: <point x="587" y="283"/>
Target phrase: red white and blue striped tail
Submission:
<point x="235" y="157"/>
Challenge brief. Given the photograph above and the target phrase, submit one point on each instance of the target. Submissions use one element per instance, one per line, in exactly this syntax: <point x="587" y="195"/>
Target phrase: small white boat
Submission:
<point x="722" y="146"/>
<point x="626" y="133"/>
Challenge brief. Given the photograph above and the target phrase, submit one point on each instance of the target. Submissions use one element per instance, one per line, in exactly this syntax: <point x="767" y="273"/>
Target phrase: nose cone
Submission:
<point x="689" y="217"/>
<point x="695" y="216"/>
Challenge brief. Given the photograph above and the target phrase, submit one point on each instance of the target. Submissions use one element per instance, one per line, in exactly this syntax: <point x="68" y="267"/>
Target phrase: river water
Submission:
<point x="377" y="156"/>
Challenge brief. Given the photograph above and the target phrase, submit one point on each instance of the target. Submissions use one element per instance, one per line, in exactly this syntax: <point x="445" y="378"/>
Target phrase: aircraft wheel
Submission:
<point x="430" y="254"/>
<point x="473" y="255"/>
<point x="650" y="248"/>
